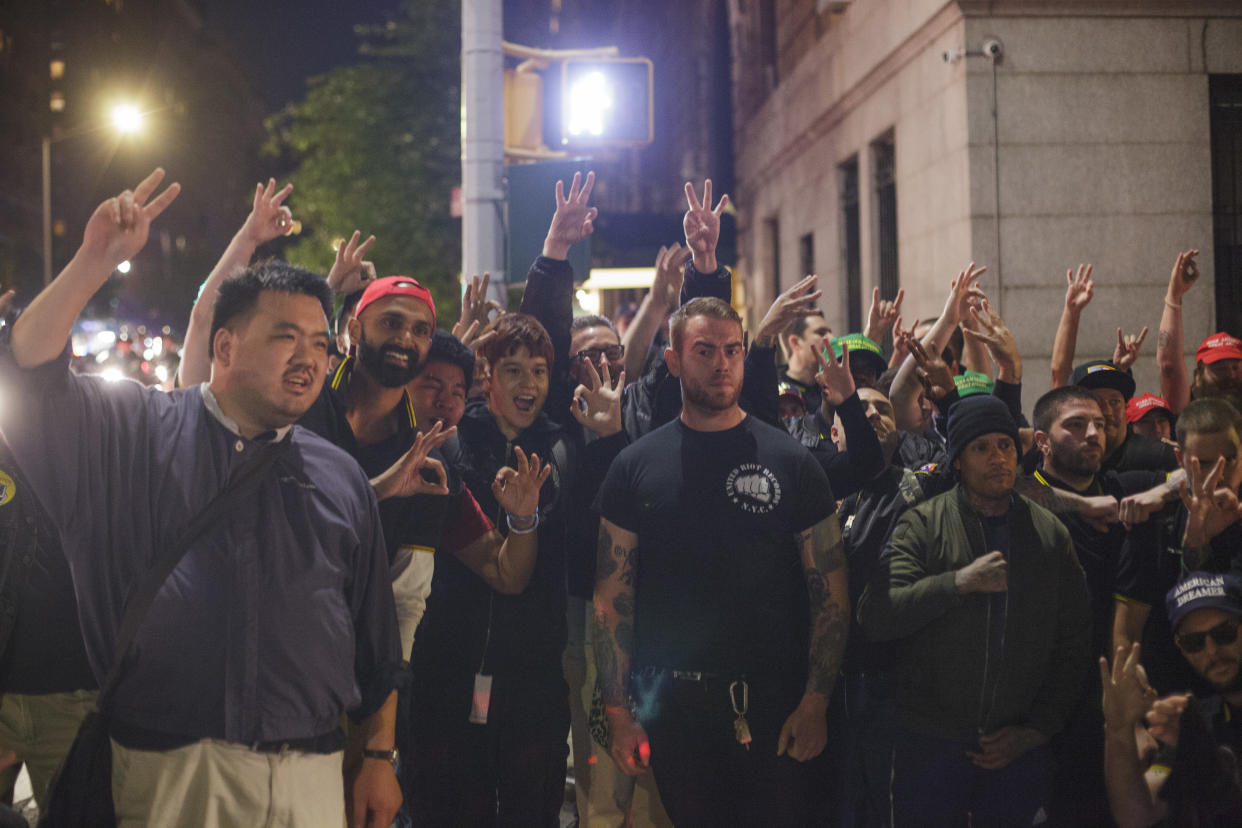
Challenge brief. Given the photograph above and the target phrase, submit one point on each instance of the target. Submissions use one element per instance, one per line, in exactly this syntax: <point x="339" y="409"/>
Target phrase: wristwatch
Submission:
<point x="390" y="756"/>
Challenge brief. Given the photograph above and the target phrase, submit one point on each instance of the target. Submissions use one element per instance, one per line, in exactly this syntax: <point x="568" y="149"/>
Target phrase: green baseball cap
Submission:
<point x="973" y="382"/>
<point x="862" y="349"/>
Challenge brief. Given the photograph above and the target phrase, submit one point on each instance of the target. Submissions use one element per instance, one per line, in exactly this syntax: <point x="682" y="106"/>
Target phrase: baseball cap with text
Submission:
<point x="1219" y="346"/>
<point x="396" y="286"/>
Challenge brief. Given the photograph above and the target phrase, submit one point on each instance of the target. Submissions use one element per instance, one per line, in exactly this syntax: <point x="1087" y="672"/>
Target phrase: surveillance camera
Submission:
<point x="993" y="49"/>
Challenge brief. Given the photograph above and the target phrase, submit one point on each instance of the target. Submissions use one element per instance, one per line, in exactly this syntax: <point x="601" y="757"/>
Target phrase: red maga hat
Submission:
<point x="396" y="286"/>
<point x="1219" y="346"/>
<point x="1140" y="407"/>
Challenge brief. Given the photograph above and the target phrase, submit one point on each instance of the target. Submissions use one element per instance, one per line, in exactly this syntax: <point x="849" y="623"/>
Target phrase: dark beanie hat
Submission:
<point x="975" y="416"/>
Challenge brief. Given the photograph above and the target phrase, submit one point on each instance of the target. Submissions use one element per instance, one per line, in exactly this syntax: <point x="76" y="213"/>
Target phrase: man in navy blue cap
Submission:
<point x="1123" y="450"/>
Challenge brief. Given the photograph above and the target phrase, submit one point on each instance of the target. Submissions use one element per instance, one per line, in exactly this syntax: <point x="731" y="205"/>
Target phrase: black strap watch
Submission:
<point x="389" y="756"/>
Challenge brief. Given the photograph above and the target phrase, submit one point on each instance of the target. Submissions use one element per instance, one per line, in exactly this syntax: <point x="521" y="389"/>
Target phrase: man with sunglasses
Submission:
<point x="1187" y="775"/>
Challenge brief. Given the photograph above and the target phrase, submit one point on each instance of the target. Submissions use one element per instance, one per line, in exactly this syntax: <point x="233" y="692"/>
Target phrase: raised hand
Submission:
<point x="799" y="300"/>
<point x="476" y="311"/>
<point x="405" y="477"/>
<point x="882" y="315"/>
<point x="1127" y="350"/>
<point x="834" y="375"/>
<point x="1127" y="694"/>
<point x="992" y="331"/>
<point x="517" y="490"/>
<point x="1079" y="288"/>
<point x="702" y="226"/>
<point x="1164" y="719"/>
<point x="573" y="220"/>
<point x="961" y="290"/>
<point x="119" y="227"/>
<point x="669" y="274"/>
<point x="269" y="217"/>
<point x="933" y="371"/>
<point x="1210" y="507"/>
<point x="1185" y="273"/>
<point x="350" y="272"/>
<point x="901" y="341"/>
<point x="597" y="405"/>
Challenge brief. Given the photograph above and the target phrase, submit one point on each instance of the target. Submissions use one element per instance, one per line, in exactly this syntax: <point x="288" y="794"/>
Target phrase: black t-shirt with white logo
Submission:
<point x="720" y="587"/>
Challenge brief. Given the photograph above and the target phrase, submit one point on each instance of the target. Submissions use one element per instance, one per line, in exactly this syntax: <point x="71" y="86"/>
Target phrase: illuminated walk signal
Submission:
<point x="606" y="102"/>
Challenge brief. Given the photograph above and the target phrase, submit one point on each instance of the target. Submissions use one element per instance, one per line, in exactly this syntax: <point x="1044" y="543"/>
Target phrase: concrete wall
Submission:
<point x="1104" y="157"/>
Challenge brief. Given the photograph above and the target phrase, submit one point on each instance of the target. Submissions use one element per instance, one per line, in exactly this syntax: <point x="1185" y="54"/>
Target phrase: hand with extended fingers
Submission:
<point x="269" y="217"/>
<point x="573" y="220"/>
<point x="882" y="315"/>
<point x="800" y="300"/>
<point x="517" y="490"/>
<point x="834" y="375"/>
<point x="597" y="404"/>
<point x="1127" y="694"/>
<point x="901" y="341"/>
<point x="1127" y="350"/>
<point x="405" y="477"/>
<point x="961" y="291"/>
<point x="1211" y="502"/>
<point x="669" y="274"/>
<point x="118" y="228"/>
<point x="1079" y="289"/>
<point x="702" y="226"/>
<point x="992" y="331"/>
<point x="476" y="311"/>
<point x="351" y="272"/>
<point x="933" y="371"/>
<point x="1185" y="273"/>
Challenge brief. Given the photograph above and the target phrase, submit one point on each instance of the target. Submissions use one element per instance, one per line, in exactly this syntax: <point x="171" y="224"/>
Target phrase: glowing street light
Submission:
<point x="606" y="102"/>
<point x="126" y="118"/>
<point x="589" y="100"/>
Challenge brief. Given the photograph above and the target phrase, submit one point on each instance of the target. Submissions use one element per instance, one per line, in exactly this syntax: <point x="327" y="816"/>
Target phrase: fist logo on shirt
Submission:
<point x="753" y="488"/>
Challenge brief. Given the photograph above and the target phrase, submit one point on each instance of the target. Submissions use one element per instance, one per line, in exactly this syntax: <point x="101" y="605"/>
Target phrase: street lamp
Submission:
<point x="126" y="119"/>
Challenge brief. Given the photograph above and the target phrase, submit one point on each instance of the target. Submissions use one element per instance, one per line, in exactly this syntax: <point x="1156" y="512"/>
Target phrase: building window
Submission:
<point x="851" y="244"/>
<point x="884" y="163"/>
<point x="56" y="69"/>
<point x="1225" y="95"/>
<point x="767" y="42"/>
<point x="806" y="255"/>
<point x="772" y="227"/>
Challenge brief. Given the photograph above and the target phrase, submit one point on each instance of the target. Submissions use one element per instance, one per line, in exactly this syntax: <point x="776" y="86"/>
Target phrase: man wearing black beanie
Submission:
<point x="982" y="594"/>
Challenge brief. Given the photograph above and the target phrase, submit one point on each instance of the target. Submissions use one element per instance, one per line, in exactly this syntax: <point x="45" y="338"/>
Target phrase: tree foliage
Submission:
<point x="376" y="147"/>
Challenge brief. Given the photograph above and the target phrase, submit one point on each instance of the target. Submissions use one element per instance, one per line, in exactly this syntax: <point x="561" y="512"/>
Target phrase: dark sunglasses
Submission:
<point x="1223" y="633"/>
<point x="612" y="353"/>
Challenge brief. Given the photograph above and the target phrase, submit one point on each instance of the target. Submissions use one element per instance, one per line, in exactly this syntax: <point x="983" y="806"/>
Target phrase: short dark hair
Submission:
<point x="708" y="306"/>
<point x="1048" y="407"/>
<point x="592" y="320"/>
<point x="238" y="296"/>
<point x="518" y="330"/>
<point x="346" y="311"/>
<point x="1210" y="415"/>
<point x="798" y="326"/>
<point x="447" y="348"/>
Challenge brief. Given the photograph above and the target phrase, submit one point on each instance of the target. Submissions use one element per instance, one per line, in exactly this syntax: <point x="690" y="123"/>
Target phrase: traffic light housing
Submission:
<point x="606" y="102"/>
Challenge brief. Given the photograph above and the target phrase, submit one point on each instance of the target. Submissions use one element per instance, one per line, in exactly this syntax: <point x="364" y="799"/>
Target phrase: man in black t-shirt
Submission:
<point x="1123" y="449"/>
<point x="721" y="598"/>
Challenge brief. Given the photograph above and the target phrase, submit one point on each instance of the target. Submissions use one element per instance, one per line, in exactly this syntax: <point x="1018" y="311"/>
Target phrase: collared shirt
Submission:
<point x="276" y="621"/>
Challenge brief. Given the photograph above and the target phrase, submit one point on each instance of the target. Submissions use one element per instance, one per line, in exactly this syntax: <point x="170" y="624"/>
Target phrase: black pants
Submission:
<point x="508" y="772"/>
<point x="704" y="775"/>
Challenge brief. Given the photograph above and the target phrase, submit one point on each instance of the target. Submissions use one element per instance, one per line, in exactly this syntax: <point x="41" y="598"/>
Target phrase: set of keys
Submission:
<point x="740" y="728"/>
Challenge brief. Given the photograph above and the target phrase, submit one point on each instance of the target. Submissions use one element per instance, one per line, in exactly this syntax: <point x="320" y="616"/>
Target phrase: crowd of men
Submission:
<point x="775" y="577"/>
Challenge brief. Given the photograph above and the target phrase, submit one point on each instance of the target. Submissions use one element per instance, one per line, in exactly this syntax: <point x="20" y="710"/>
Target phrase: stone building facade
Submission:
<point x="890" y="142"/>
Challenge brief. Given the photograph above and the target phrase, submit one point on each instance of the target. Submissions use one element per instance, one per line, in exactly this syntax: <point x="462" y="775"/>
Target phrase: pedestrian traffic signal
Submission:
<point x="606" y="102"/>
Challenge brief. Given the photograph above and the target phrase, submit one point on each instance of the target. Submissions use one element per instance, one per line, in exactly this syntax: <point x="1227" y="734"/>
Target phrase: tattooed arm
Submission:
<point x="1098" y="510"/>
<point x="614" y="643"/>
<point x="823" y="559"/>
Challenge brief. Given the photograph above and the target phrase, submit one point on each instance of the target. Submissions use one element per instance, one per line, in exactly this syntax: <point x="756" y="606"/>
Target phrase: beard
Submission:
<point x="704" y="398"/>
<point x="388" y="374"/>
<point x="1233" y="685"/>
<point x="1068" y="460"/>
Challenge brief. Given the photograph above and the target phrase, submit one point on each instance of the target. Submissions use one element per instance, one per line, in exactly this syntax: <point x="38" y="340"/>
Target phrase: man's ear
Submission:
<point x="1041" y="439"/>
<point x="222" y="347"/>
<point x="673" y="360"/>
<point x="354" y="327"/>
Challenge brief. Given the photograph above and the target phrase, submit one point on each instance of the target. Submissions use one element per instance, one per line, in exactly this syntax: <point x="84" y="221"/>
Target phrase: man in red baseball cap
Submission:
<point x="1150" y="416"/>
<point x="1218" y="367"/>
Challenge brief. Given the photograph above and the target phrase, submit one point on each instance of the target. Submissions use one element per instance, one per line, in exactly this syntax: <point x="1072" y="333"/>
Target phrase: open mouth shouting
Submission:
<point x="524" y="403"/>
<point x="298" y="382"/>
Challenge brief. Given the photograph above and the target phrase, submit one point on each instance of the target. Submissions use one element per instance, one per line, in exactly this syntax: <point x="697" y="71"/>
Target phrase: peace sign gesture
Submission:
<point x="573" y="220"/>
<point x="702" y="226"/>
<point x="118" y="228"/>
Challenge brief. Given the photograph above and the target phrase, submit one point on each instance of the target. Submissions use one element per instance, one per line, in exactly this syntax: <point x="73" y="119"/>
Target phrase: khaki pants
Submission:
<point x="606" y="797"/>
<point x="40" y="730"/>
<point x="212" y="783"/>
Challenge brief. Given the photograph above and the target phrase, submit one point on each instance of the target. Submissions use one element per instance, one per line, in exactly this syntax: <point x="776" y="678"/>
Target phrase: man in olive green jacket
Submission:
<point x="982" y="592"/>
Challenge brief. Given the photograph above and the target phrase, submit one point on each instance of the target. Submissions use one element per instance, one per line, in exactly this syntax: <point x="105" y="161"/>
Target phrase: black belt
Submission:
<point x="680" y="675"/>
<point x="323" y="743"/>
<point x="140" y="738"/>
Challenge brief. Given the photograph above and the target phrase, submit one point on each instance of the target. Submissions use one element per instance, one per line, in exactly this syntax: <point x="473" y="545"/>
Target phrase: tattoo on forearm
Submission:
<point x="605" y="565"/>
<point x="824" y="553"/>
<point x="614" y="616"/>
<point x="1164" y="340"/>
<point x="624" y="605"/>
<point x="612" y="689"/>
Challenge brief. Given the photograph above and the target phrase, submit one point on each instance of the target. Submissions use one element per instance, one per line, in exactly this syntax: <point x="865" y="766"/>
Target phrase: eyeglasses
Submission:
<point x="1223" y="633"/>
<point x="612" y="353"/>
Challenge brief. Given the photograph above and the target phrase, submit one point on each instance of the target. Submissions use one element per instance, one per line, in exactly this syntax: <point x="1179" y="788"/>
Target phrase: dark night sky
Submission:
<point x="282" y="43"/>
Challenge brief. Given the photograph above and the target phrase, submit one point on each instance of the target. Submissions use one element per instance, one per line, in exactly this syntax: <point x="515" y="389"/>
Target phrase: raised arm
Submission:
<point x="702" y="226"/>
<point x="656" y="305"/>
<point x="881" y="315"/>
<point x="614" y="644"/>
<point x="1174" y="384"/>
<point x="904" y="393"/>
<point x="1078" y="292"/>
<point x="1133" y="793"/>
<point x="823" y="562"/>
<point x="115" y="232"/>
<point x="268" y="219"/>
